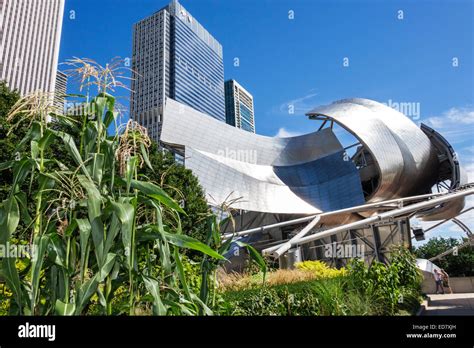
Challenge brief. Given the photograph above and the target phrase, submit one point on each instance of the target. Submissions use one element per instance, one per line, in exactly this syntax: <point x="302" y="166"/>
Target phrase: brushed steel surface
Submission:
<point x="301" y="175"/>
<point x="306" y="174"/>
<point x="405" y="156"/>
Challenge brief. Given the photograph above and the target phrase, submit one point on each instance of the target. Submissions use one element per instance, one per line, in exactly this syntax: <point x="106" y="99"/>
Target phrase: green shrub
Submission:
<point x="405" y="262"/>
<point x="392" y="287"/>
<point x="326" y="297"/>
<point x="376" y="290"/>
<point x="291" y="299"/>
<point x="5" y="299"/>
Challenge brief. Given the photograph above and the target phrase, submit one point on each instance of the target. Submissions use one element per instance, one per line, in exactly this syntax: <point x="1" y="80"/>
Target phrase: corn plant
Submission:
<point x="95" y="226"/>
<point x="209" y="266"/>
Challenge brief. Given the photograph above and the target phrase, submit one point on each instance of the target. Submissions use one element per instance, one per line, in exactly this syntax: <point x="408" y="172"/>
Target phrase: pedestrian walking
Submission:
<point x="445" y="279"/>
<point x="439" y="281"/>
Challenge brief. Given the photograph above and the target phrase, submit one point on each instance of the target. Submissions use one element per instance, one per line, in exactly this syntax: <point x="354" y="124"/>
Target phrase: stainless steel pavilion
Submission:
<point x="287" y="183"/>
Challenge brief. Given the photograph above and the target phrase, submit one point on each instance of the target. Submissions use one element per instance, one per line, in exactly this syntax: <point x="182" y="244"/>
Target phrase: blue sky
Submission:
<point x="299" y="61"/>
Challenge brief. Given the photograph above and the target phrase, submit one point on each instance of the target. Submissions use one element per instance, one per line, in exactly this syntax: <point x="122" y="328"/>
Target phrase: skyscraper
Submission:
<point x="174" y="56"/>
<point x="239" y="106"/>
<point x="30" y="32"/>
<point x="60" y="90"/>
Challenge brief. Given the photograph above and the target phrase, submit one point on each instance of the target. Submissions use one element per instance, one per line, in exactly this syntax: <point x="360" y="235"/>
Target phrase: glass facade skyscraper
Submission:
<point x="174" y="56"/>
<point x="239" y="106"/>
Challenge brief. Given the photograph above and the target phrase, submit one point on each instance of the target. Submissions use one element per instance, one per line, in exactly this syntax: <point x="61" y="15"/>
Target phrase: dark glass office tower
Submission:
<point x="174" y="56"/>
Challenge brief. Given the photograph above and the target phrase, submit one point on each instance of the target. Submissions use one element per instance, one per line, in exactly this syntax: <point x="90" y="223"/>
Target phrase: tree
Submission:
<point x="8" y="98"/>
<point x="461" y="264"/>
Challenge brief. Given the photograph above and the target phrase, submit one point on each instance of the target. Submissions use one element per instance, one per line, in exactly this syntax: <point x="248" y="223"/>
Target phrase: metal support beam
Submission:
<point x="378" y="244"/>
<point x="351" y="146"/>
<point x="444" y="221"/>
<point x="463" y="226"/>
<point x="322" y="125"/>
<point x="356" y="209"/>
<point x="279" y="250"/>
<point x="385" y="216"/>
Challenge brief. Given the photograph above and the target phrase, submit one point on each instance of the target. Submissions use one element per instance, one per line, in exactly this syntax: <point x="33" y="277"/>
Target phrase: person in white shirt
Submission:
<point x="438" y="281"/>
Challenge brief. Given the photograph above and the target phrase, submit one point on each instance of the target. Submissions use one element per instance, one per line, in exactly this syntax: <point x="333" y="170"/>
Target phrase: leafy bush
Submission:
<point x="5" y="299"/>
<point x="305" y="271"/>
<point x="290" y="299"/>
<point x="404" y="262"/>
<point x="393" y="286"/>
<point x="320" y="269"/>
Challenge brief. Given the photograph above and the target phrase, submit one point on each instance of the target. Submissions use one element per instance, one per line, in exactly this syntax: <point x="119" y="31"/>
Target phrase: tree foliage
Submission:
<point x="458" y="265"/>
<point x="8" y="98"/>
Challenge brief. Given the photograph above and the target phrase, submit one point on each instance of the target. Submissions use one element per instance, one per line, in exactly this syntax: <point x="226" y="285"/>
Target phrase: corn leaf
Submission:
<point x="107" y="267"/>
<point x="10" y="274"/>
<point x="255" y="255"/>
<point x="21" y="169"/>
<point x="84" y="234"/>
<point x="64" y="308"/>
<point x="10" y="217"/>
<point x="126" y="213"/>
<point x="94" y="203"/>
<point x="85" y="292"/>
<point x="153" y="287"/>
<point x="181" y="275"/>
<point x="130" y="170"/>
<point x="73" y="151"/>
<point x="184" y="241"/>
<point x="144" y="153"/>
<point x="25" y="215"/>
<point x="156" y="193"/>
<point x="40" y="244"/>
<point x="97" y="167"/>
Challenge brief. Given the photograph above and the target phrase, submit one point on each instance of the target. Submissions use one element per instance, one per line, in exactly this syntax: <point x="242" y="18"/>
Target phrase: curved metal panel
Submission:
<point x="185" y="126"/>
<point x="298" y="175"/>
<point x="449" y="168"/>
<point x="374" y="134"/>
<point x="419" y="156"/>
<point x="308" y="174"/>
<point x="405" y="157"/>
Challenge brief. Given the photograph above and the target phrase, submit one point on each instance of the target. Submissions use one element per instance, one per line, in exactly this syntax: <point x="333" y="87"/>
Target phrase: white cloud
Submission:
<point x="299" y="105"/>
<point x="469" y="149"/>
<point x="457" y="123"/>
<point x="435" y="122"/>
<point x="284" y="133"/>
<point x="461" y="115"/>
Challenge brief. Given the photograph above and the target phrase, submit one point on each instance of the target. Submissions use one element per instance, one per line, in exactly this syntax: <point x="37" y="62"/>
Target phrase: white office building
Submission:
<point x="30" y="33"/>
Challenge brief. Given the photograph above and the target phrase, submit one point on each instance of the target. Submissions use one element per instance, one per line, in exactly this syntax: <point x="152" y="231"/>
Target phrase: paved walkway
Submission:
<point x="450" y="304"/>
